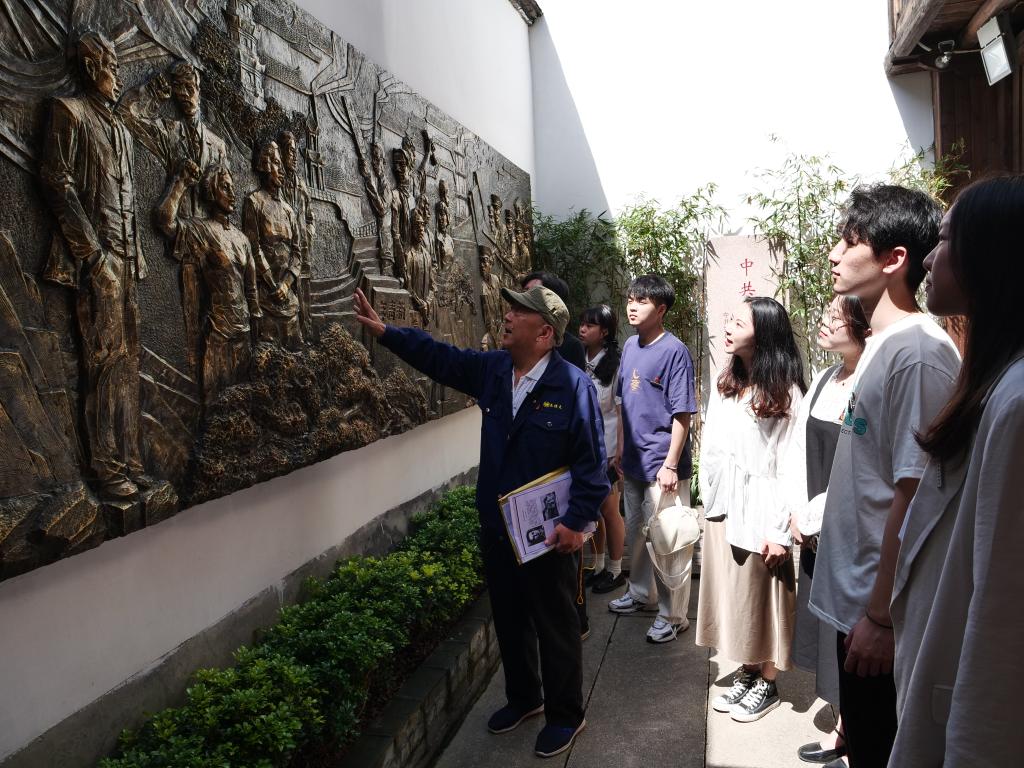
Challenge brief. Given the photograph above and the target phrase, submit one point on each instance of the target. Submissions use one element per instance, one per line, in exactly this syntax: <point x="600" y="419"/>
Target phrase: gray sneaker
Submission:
<point x="741" y="683"/>
<point x="663" y="631"/>
<point x="761" y="699"/>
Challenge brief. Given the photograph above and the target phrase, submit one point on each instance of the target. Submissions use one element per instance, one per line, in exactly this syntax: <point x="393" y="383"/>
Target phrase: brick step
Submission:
<point x="364" y="243"/>
<point x="341" y="304"/>
<point x="334" y="292"/>
<point x="329" y="283"/>
<point x="328" y="315"/>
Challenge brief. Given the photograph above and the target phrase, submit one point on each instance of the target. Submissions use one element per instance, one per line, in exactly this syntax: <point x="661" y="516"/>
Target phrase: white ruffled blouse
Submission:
<point x="739" y="470"/>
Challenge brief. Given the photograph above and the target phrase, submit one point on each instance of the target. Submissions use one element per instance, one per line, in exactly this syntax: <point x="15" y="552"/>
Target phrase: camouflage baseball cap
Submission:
<point x="545" y="303"/>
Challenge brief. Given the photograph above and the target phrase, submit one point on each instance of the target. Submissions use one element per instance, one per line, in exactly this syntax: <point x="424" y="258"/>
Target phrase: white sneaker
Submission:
<point x="662" y="631"/>
<point x="629" y="604"/>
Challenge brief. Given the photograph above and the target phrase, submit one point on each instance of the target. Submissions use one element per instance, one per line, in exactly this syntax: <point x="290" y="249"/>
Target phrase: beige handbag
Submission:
<point x="672" y="527"/>
<point x="671" y="533"/>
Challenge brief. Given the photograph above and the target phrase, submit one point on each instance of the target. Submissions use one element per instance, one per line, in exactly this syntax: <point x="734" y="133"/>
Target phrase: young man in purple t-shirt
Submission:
<point x="656" y="392"/>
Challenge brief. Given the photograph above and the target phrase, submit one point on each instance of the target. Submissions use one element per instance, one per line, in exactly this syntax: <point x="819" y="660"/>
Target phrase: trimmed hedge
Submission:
<point x="307" y="680"/>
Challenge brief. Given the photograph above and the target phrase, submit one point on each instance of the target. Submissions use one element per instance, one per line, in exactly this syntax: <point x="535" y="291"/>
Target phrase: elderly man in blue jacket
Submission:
<point x="539" y="414"/>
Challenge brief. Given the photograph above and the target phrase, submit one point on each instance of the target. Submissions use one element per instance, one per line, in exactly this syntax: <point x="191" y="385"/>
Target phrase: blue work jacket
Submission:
<point x="559" y="424"/>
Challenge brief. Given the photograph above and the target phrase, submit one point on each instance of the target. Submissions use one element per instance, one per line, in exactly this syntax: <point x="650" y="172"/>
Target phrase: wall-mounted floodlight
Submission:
<point x="998" y="48"/>
<point x="945" y="57"/>
<point x="947" y="49"/>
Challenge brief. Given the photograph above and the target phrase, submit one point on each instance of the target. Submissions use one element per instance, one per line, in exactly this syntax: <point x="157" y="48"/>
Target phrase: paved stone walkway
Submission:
<point x="648" y="706"/>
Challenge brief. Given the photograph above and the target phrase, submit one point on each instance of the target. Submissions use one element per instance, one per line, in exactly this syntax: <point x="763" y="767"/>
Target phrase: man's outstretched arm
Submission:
<point x="462" y="369"/>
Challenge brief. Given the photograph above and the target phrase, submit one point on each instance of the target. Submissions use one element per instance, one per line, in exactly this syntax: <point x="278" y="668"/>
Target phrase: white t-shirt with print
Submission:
<point x="903" y="380"/>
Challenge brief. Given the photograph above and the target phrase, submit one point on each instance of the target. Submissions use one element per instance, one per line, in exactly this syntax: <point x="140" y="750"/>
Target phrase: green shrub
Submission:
<point x="309" y="676"/>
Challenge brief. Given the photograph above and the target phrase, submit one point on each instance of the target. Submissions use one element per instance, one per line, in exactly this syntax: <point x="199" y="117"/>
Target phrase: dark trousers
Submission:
<point x="538" y="629"/>
<point x="868" y="707"/>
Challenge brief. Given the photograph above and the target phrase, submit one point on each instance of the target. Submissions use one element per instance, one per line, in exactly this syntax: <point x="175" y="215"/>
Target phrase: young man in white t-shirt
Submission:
<point x="903" y="380"/>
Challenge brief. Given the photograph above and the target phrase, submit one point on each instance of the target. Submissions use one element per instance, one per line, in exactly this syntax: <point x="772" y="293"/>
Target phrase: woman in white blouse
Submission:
<point x="598" y="332"/>
<point x="748" y="587"/>
<point x="807" y="465"/>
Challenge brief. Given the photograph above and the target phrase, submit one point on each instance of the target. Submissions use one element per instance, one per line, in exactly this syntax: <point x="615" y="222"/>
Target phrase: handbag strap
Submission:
<point x="662" y="497"/>
<point x="671" y="580"/>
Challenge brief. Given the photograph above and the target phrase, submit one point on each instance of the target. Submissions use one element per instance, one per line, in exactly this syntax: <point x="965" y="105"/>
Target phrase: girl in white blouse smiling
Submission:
<point x="808" y="463"/>
<point x="748" y="588"/>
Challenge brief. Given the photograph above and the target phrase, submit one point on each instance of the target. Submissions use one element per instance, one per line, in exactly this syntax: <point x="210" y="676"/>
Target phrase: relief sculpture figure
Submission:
<point x="225" y="260"/>
<point x="494" y="216"/>
<point x="510" y="245"/>
<point x="402" y="205"/>
<point x="443" y="241"/>
<point x="378" y="192"/>
<point x="296" y="194"/>
<point x="88" y="175"/>
<point x="174" y="142"/>
<point x="419" y="264"/>
<point x="500" y="238"/>
<point x="271" y="226"/>
<point x="490" y="301"/>
<point x="452" y="288"/>
<point x="453" y="294"/>
<point x="522" y="239"/>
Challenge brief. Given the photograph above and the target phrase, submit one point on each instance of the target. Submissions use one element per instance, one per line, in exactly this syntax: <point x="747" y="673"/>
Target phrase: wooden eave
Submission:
<point x="929" y="21"/>
<point x="528" y="9"/>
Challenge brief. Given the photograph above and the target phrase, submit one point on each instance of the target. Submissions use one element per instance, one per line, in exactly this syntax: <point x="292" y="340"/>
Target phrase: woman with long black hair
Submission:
<point x="956" y="603"/>
<point x="748" y="587"/>
<point x="598" y="329"/>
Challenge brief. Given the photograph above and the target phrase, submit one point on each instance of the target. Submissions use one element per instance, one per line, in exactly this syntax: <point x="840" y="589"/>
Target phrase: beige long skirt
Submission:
<point x="745" y="610"/>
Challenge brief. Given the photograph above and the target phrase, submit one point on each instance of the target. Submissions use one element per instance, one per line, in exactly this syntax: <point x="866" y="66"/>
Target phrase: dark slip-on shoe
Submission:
<point x="553" y="740"/>
<point x="814" y="753"/>
<point x="509" y="717"/>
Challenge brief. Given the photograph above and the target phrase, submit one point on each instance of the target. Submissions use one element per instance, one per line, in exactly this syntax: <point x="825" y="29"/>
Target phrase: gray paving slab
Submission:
<point x="473" y="745"/>
<point x="648" y="705"/>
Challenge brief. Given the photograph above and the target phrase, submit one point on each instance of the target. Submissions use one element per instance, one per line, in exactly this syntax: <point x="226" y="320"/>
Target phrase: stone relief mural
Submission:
<point x="190" y="192"/>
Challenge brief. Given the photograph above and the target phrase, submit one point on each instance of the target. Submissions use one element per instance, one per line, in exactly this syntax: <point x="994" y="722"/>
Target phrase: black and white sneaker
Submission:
<point x="761" y="699"/>
<point x="744" y="680"/>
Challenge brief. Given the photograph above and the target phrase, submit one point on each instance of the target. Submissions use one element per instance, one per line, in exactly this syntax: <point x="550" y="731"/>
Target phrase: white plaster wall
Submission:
<point x="471" y="58"/>
<point x="663" y="96"/>
<point x="74" y="630"/>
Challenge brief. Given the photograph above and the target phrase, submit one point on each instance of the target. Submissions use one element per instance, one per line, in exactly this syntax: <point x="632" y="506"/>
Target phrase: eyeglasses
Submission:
<point x="834" y="322"/>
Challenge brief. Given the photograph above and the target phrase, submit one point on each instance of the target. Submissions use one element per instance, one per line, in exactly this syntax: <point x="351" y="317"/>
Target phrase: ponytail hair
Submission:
<point x="603" y="316"/>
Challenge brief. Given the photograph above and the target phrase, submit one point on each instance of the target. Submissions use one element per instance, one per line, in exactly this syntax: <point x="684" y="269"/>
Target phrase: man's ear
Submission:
<point x="894" y="260"/>
<point x="662" y="310"/>
<point x="89" y="65"/>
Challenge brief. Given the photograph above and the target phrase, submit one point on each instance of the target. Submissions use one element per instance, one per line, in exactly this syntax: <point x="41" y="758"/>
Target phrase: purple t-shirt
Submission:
<point x="655" y="383"/>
